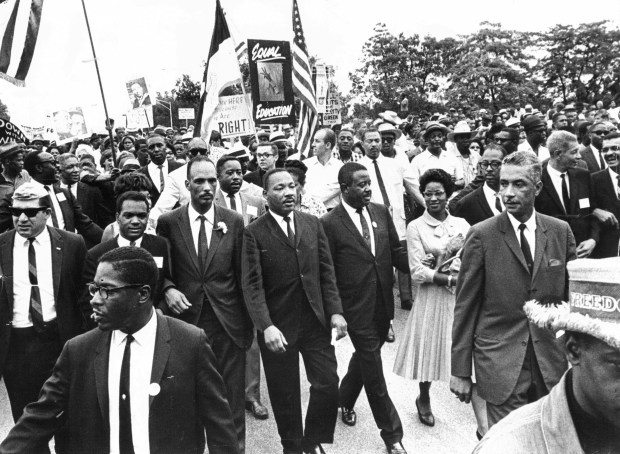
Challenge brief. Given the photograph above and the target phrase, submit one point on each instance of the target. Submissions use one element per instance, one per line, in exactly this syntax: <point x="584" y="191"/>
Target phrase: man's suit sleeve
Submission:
<point x="163" y="230"/>
<point x="83" y="224"/>
<point x="571" y="254"/>
<point x="88" y="275"/>
<point x="471" y="187"/>
<point x="43" y="418"/>
<point x="252" y="282"/>
<point x="595" y="226"/>
<point x="329" y="291"/>
<point x="399" y="253"/>
<point x="469" y="294"/>
<point x="214" y="409"/>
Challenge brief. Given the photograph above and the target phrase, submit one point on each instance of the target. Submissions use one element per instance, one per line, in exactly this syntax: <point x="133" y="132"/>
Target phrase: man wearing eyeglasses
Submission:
<point x="41" y="268"/>
<point x="607" y="198"/>
<point x="140" y="383"/>
<point x="592" y="154"/>
<point x="266" y="156"/>
<point x="158" y="169"/>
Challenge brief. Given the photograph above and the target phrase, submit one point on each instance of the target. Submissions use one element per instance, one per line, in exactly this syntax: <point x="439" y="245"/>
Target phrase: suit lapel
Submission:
<point x="348" y="223"/>
<point x="375" y="219"/>
<point x="548" y="186"/>
<point x="575" y="190"/>
<point x="541" y="243"/>
<point x="57" y="245"/>
<point x="277" y="231"/>
<point x="161" y="353"/>
<point x="183" y="222"/>
<point x="102" y="355"/>
<point x="511" y="239"/>
<point x="219" y="198"/>
<point x="484" y="205"/>
<point x="6" y="249"/>
<point x="216" y="236"/>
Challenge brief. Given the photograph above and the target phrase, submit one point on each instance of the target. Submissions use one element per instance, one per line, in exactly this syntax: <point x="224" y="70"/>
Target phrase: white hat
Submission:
<point x="29" y="191"/>
<point x="512" y="122"/>
<point x="461" y="129"/>
<point x="391" y="117"/>
<point x="277" y="136"/>
<point x="239" y="151"/>
<point x="388" y="128"/>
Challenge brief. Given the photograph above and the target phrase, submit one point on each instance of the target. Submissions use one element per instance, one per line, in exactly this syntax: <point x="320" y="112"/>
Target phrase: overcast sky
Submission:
<point x="162" y="39"/>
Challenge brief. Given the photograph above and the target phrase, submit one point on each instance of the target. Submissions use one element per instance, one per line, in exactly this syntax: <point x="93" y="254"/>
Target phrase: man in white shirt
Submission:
<point x="322" y="174"/>
<point x="140" y="383"/>
<point x="158" y="169"/>
<point x="536" y="137"/>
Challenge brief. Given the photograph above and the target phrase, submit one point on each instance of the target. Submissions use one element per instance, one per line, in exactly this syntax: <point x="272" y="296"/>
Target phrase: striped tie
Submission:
<point x="36" y="311"/>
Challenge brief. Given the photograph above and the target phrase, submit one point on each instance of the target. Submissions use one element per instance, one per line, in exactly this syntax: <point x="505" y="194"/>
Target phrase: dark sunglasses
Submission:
<point x="196" y="151"/>
<point x="29" y="212"/>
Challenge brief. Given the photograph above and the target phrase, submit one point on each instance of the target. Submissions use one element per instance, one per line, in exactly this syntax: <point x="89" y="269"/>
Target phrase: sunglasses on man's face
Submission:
<point x="29" y="212"/>
<point x="197" y="151"/>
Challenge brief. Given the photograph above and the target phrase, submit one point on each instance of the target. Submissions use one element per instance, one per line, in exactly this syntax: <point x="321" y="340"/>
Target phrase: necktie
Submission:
<point x="498" y="204"/>
<point x="54" y="218"/>
<point x="289" y="231"/>
<point x="233" y="202"/>
<point x="384" y="195"/>
<point x="132" y="243"/>
<point x="125" y="437"/>
<point x="602" y="161"/>
<point x="35" y="309"/>
<point x="565" y="197"/>
<point x="203" y="247"/>
<point x="161" y="178"/>
<point x="525" y="248"/>
<point x="618" y="186"/>
<point x="365" y="228"/>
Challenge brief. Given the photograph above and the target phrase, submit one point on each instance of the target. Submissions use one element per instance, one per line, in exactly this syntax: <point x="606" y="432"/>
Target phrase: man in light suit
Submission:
<point x="39" y="309"/>
<point x="509" y="259"/>
<point x="230" y="179"/>
<point x="205" y="285"/>
<point x="365" y="246"/>
<point x="290" y="291"/>
<point x="142" y="382"/>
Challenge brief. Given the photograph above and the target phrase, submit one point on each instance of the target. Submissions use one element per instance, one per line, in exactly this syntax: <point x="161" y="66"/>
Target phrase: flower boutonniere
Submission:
<point x="374" y="224"/>
<point x="221" y="227"/>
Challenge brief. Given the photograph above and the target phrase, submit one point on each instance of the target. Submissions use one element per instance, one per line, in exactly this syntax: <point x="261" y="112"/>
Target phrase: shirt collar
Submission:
<point x="554" y="172"/>
<point x="530" y="223"/>
<point x="193" y="214"/>
<point x="489" y="190"/>
<point x="141" y="336"/>
<point x="164" y="165"/>
<point x="280" y="219"/>
<point x="352" y="211"/>
<point x="41" y="238"/>
<point x="614" y="175"/>
<point x="122" y="241"/>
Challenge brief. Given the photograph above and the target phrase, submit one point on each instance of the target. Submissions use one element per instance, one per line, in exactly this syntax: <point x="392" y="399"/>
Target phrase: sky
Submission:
<point x="163" y="39"/>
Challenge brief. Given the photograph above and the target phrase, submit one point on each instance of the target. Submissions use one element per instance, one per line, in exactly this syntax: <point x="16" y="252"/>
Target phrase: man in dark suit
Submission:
<point x="485" y="201"/>
<point x="142" y="382"/>
<point x="567" y="191"/>
<point x="290" y="291"/>
<point x="266" y="156"/>
<point x="591" y="154"/>
<point x="607" y="198"/>
<point x="509" y="259"/>
<point x="39" y="306"/>
<point x="66" y="213"/>
<point x="205" y="286"/>
<point x="365" y="246"/>
<point x="88" y="197"/>
<point x="158" y="169"/>
<point x="132" y="214"/>
<point x="230" y="178"/>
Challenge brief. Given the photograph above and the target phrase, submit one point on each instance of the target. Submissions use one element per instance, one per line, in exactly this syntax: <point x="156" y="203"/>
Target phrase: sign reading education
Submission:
<point x="272" y="81"/>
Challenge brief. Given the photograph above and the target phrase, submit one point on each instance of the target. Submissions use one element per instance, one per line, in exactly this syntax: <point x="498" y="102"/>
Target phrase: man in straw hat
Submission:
<point x="581" y="413"/>
<point x="468" y="159"/>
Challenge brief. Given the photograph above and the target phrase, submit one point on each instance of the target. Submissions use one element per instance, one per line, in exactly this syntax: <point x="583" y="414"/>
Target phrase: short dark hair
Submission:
<point x="87" y="157"/>
<point x="514" y="133"/>
<point x="31" y="160"/>
<point x="297" y="168"/>
<point x="219" y="165"/>
<point x="107" y="154"/>
<point x="274" y="147"/>
<point x="194" y="160"/>
<point x="437" y="176"/>
<point x="134" y="181"/>
<point x="345" y="174"/>
<point x="371" y="129"/>
<point x="557" y="115"/>
<point x="497" y="147"/>
<point x="269" y="174"/>
<point x="134" y="196"/>
<point x="134" y="264"/>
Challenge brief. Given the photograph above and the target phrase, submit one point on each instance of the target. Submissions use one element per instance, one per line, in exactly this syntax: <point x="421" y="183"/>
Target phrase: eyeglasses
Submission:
<point x="494" y="165"/>
<point x="93" y="289"/>
<point x="264" y="155"/>
<point x="437" y="194"/>
<point x="197" y="151"/>
<point x="602" y="132"/>
<point x="29" y="212"/>
<point x="610" y="148"/>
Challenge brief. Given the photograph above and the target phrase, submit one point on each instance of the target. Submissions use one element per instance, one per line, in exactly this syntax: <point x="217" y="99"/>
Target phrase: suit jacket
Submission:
<point x="91" y="200"/>
<point x="606" y="198"/>
<point x="255" y="177"/>
<point x="276" y="275"/>
<point x="256" y="204"/>
<point x="360" y="275"/>
<point x="68" y="252"/>
<point x="158" y="248"/>
<point x="154" y="192"/>
<point x="583" y="225"/>
<point x="191" y="398"/>
<point x="591" y="157"/>
<point x="221" y="281"/>
<point x="474" y="207"/>
<point x="494" y="283"/>
<point x="75" y="219"/>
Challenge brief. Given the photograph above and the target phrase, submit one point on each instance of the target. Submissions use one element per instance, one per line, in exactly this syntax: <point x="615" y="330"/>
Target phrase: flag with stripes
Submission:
<point x="302" y="86"/>
<point x="19" y="24"/>
<point x="241" y="46"/>
<point x="221" y="72"/>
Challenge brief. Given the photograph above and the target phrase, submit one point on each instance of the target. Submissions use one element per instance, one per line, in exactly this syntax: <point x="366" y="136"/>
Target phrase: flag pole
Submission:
<point x="108" y="124"/>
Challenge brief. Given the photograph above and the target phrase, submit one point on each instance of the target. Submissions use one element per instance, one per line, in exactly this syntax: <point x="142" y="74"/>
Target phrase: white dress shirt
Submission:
<point x="543" y="152"/>
<point x="282" y="223"/>
<point x="21" y="281"/>
<point x="74" y="188"/>
<point x="239" y="207"/>
<point x="56" y="199"/>
<point x="142" y="350"/>
<point x="556" y="179"/>
<point x="529" y="232"/>
<point x="322" y="180"/>
<point x="614" y="181"/>
<point x="427" y="160"/>
<point x="490" y="195"/>
<point x="194" y="222"/>
<point x="355" y="217"/>
<point x="122" y="241"/>
<point x="154" y="173"/>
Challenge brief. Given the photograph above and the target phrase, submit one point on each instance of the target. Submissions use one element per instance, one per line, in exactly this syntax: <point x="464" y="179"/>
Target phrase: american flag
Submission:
<point x="302" y="86"/>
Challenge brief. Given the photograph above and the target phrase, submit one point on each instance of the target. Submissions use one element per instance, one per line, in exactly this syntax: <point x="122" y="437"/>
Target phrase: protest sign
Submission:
<point x="138" y="93"/>
<point x="232" y="117"/>
<point x="272" y="81"/>
<point x="141" y="118"/>
<point x="10" y="132"/>
<point x="69" y="124"/>
<point x="186" y="113"/>
<point x="322" y="86"/>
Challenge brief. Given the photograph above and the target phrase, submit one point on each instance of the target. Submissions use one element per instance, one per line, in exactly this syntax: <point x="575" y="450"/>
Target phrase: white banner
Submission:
<point x="232" y="116"/>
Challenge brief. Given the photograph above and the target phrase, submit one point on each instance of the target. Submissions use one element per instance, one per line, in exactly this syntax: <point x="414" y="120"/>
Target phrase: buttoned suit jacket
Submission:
<point x="154" y="192"/>
<point x="68" y="252"/>
<point x="605" y="198"/>
<point x="91" y="200"/>
<point x="360" y="275"/>
<point x="190" y="398"/>
<point x="582" y="224"/>
<point x="221" y="281"/>
<point x="273" y="270"/>
<point x="246" y="200"/>
<point x="474" y="207"/>
<point x="493" y="285"/>
<point x="590" y="156"/>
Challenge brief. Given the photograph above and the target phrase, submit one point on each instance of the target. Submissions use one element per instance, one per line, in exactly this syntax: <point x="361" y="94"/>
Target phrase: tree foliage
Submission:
<point x="4" y="111"/>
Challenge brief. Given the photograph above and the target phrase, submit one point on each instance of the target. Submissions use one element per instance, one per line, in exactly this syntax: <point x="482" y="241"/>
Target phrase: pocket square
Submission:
<point x="555" y="262"/>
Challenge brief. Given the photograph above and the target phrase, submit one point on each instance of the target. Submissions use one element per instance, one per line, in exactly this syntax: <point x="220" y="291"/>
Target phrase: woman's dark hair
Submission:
<point x="297" y="168"/>
<point x="360" y="146"/>
<point x="133" y="181"/>
<point x="105" y="156"/>
<point x="480" y="143"/>
<point x="437" y="176"/>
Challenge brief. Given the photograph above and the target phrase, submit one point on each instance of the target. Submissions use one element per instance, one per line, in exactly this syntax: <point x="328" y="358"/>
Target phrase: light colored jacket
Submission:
<point x="542" y="427"/>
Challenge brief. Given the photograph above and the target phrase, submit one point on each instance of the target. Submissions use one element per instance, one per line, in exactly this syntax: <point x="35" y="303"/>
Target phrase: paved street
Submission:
<point x="454" y="431"/>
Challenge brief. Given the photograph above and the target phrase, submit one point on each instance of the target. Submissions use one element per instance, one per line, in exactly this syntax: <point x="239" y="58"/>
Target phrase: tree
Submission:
<point x="582" y="61"/>
<point x="4" y="111"/>
<point x="185" y="94"/>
